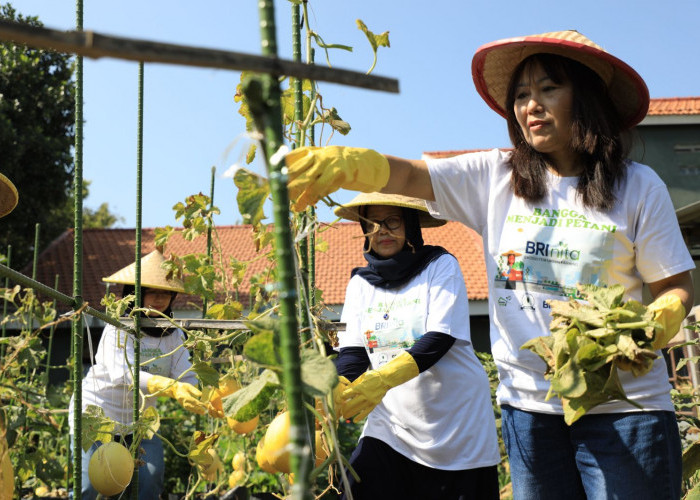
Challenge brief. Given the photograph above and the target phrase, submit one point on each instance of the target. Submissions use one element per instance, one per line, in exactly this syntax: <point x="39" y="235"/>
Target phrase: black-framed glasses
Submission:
<point x="392" y="223"/>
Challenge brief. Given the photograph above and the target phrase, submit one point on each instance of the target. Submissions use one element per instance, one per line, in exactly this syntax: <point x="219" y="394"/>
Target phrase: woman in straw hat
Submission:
<point x="579" y="211"/>
<point x="430" y="430"/>
<point x="164" y="371"/>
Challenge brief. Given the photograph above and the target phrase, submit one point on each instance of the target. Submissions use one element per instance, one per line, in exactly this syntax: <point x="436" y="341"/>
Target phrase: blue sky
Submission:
<point x="191" y="121"/>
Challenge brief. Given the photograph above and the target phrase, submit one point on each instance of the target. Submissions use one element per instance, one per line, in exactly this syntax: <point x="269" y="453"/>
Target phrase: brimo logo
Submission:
<point x="560" y="251"/>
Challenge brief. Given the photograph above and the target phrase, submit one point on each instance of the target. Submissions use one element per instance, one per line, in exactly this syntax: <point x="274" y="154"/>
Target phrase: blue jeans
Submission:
<point x="151" y="473"/>
<point x="634" y="456"/>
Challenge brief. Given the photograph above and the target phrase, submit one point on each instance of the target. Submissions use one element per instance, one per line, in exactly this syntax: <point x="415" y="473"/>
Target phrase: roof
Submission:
<point x="108" y="250"/>
<point x="673" y="111"/>
<point x="674" y="106"/>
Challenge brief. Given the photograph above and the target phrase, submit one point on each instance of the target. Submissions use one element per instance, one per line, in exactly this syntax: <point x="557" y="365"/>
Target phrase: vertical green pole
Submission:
<point x="301" y="218"/>
<point x="77" y="324"/>
<point x="209" y="229"/>
<point x="4" y="303"/>
<point x="137" y="268"/>
<point x="51" y="332"/>
<point x="35" y="262"/>
<point x="267" y="112"/>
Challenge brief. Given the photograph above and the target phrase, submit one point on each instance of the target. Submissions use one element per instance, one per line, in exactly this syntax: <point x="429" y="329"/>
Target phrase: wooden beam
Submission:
<point x="95" y="45"/>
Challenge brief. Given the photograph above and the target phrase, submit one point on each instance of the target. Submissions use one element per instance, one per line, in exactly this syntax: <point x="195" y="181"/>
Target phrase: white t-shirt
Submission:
<point x="443" y="418"/>
<point x="108" y="382"/>
<point x="540" y="251"/>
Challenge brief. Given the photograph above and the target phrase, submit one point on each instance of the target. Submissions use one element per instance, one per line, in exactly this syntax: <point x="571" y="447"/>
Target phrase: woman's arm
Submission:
<point x="409" y="178"/>
<point x="679" y="284"/>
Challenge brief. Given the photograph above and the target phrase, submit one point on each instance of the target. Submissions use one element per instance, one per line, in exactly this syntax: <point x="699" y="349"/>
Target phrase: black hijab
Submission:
<point x="399" y="269"/>
<point x="151" y="331"/>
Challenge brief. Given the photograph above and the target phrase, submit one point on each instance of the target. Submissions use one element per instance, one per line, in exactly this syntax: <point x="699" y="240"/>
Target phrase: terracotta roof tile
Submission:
<point x="674" y="106"/>
<point x="108" y="250"/>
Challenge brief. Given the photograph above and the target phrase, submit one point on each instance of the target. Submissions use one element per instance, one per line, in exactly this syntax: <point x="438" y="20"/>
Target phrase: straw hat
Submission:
<point x="152" y="274"/>
<point x="8" y="196"/>
<point x="494" y="63"/>
<point x="512" y="252"/>
<point x="351" y="210"/>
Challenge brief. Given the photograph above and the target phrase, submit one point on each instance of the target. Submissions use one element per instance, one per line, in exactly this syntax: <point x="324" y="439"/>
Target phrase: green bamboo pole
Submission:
<point x="35" y="263"/>
<point x="301" y="218"/>
<point x="205" y="304"/>
<point x="263" y="96"/>
<point x="137" y="270"/>
<point x="51" y="332"/>
<point x="4" y="303"/>
<point x="77" y="324"/>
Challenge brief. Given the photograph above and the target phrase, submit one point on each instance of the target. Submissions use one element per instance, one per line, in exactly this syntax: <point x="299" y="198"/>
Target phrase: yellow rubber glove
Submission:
<point x="669" y="313"/>
<point x="316" y="172"/>
<point x="362" y="395"/>
<point x="185" y="394"/>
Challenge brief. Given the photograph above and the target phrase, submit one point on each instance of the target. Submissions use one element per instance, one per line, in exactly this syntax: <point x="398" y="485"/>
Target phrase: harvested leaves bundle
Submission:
<point x="588" y="342"/>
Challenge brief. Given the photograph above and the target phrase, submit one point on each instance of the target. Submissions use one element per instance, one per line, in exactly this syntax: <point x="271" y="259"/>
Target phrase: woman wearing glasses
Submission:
<point x="430" y="430"/>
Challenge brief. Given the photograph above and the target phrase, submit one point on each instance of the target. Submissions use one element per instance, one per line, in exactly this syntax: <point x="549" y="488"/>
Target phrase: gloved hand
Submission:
<point x="669" y="313"/>
<point x="362" y="395"/>
<point x="343" y="384"/>
<point x="185" y="394"/>
<point x="316" y="172"/>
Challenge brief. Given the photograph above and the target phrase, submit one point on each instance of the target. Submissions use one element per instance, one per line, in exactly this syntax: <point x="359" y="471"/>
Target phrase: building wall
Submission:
<point x="673" y="151"/>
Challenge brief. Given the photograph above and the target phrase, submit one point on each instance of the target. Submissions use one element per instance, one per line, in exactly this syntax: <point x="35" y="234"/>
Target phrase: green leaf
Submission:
<point x="252" y="399"/>
<point x="253" y="191"/>
<point x="207" y="374"/>
<point x="318" y="373"/>
<point x="228" y="310"/>
<point x="261" y="349"/>
<point x="95" y="426"/>
<point x="375" y="41"/>
<point x="162" y="235"/>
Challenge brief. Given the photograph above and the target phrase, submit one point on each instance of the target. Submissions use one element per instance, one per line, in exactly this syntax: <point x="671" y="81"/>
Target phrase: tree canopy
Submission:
<point x="37" y="135"/>
<point x="37" y="106"/>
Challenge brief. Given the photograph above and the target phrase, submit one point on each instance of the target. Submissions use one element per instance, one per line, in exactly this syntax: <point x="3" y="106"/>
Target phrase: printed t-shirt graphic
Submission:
<point x="390" y="326"/>
<point x="551" y="250"/>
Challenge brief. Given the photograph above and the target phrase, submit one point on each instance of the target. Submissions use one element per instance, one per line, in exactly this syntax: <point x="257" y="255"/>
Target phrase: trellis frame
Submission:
<point x="95" y="45"/>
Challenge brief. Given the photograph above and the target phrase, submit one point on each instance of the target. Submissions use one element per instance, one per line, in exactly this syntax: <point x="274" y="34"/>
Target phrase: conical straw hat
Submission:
<point x="8" y="196"/>
<point x="351" y="210"/>
<point x="152" y="274"/>
<point x="494" y="63"/>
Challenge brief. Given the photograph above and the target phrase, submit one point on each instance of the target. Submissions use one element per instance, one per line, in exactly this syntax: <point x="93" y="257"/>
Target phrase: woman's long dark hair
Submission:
<point x="597" y="135"/>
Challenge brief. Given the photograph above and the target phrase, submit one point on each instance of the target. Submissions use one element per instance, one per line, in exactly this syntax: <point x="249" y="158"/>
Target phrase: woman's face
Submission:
<point x="384" y="241"/>
<point x="543" y="110"/>
<point x="156" y="299"/>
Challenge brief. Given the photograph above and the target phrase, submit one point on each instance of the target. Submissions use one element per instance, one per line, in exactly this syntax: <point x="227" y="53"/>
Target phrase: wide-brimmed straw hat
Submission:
<point x="152" y="274"/>
<point x="494" y="63"/>
<point x="351" y="210"/>
<point x="8" y="196"/>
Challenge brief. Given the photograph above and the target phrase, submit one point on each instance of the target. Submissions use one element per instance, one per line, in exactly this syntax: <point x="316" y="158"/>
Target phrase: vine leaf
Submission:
<point x="318" y="373"/>
<point x="261" y="349"/>
<point x="251" y="400"/>
<point x="375" y="41"/>
<point x="253" y="191"/>
<point x="207" y="374"/>
<point x="95" y="426"/>
<point x="198" y="453"/>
